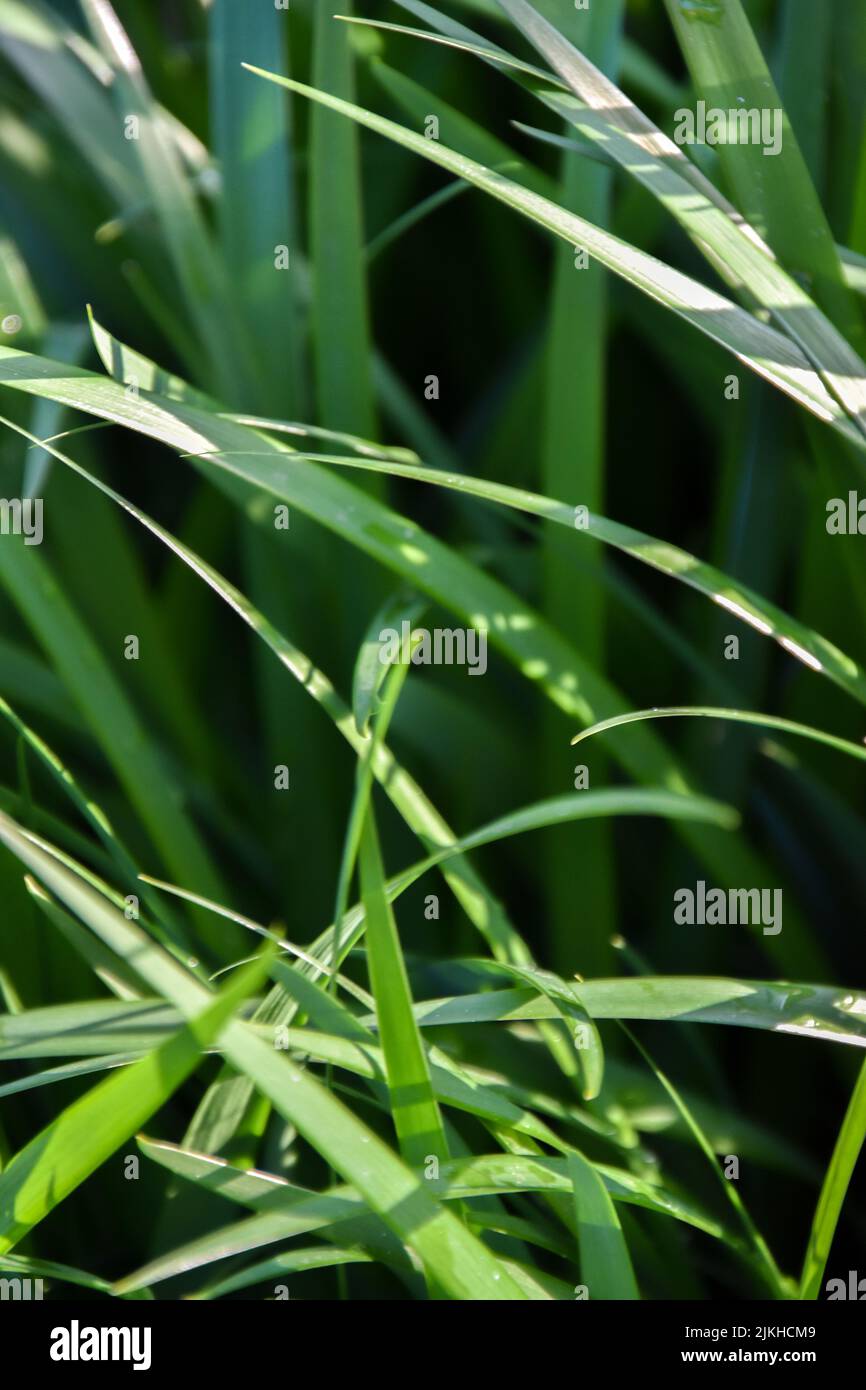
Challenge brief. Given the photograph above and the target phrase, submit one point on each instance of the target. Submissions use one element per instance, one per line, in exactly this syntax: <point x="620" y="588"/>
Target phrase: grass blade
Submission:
<point x="768" y="353"/>
<point x="455" y="1259"/>
<point x="414" y="1109"/>
<point x="737" y="716"/>
<point x="777" y="195"/>
<point x="90" y="1130"/>
<point x="253" y="142"/>
<point x="605" y="1264"/>
<point x="849" y="1144"/>
<point x="341" y="333"/>
<point x="798" y="640"/>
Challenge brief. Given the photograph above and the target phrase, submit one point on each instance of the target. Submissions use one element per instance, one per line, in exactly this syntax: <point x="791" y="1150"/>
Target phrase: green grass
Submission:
<point x="263" y="273"/>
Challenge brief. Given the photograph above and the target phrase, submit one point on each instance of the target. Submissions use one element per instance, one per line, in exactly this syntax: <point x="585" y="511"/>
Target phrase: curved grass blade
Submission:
<point x="555" y="811"/>
<point x="809" y="1011"/>
<point x="109" y="894"/>
<point x="574" y="806"/>
<point x="823" y="1012"/>
<point x="454" y="35"/>
<point x="736" y="716"/>
<point x="564" y="997"/>
<point x="765" y="351"/>
<point x="538" y="651"/>
<point x="282" y="1211"/>
<point x="357" y="445"/>
<point x="87" y="1132"/>
<point x="452" y="1257"/>
<point x="486" y="1175"/>
<point x="763" y="1258"/>
<point x="798" y="640"/>
<point x="733" y="247"/>
<point x="222" y="340"/>
<point x="113" y="974"/>
<point x="49" y="1076"/>
<point x="89" y="810"/>
<point x="290" y="1262"/>
<point x="350" y="1045"/>
<point x="500" y="1174"/>
<point x="49" y="1269"/>
<point x="370" y="670"/>
<point x="777" y="194"/>
<point x="406" y="795"/>
<point x="103" y="702"/>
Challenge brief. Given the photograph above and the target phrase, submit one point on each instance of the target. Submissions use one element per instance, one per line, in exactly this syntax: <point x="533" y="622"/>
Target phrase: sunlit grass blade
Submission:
<point x="275" y="1269"/>
<point x="849" y="1144"/>
<point x="113" y="974"/>
<point x="605" y="1264"/>
<point x="223" y="451"/>
<point x="798" y="640"/>
<point x="776" y="194"/>
<point x="820" y="1012"/>
<point x="91" y="812"/>
<point x="282" y="1211"/>
<point x="407" y="796"/>
<point x="455" y="1259"/>
<point x="50" y="1076"/>
<point x="458" y="1179"/>
<point x="713" y="225"/>
<point x="414" y="1109"/>
<point x="353" y="442"/>
<point x="93" y="1028"/>
<point x="50" y="1270"/>
<point x="808" y="1011"/>
<point x="735" y="250"/>
<point x="581" y="1029"/>
<point x="759" y="347"/>
<point x="737" y="716"/>
<point x="85" y="1134"/>
<point x="221" y="337"/>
